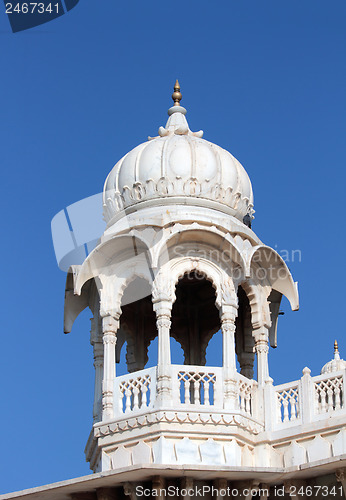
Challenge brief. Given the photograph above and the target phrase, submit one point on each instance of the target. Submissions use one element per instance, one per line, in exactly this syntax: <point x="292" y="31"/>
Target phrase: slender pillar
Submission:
<point x="228" y="346"/>
<point x="228" y="314"/>
<point x="262" y="349"/>
<point x="96" y="342"/>
<point x="110" y="326"/>
<point x="163" y="309"/>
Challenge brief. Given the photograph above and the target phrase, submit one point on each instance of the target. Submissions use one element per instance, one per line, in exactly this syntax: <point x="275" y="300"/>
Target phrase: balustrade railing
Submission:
<point x="328" y="392"/>
<point x="135" y="391"/>
<point x="309" y="398"/>
<point x="287" y="402"/>
<point x="196" y="385"/>
<point x="246" y="391"/>
<point x="302" y="401"/>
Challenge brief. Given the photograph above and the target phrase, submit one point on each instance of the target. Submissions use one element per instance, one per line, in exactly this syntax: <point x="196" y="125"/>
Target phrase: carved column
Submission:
<point x="262" y="349"/>
<point x="96" y="342"/>
<point x="163" y="309"/>
<point x="341" y="478"/>
<point x="110" y="325"/>
<point x="228" y="314"/>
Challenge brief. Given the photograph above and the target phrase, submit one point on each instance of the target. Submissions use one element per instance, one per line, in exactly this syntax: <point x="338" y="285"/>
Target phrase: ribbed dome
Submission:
<point x="178" y="163"/>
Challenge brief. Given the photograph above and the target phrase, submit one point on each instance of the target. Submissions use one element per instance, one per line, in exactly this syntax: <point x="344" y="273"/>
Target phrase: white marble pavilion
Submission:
<point x="179" y="259"/>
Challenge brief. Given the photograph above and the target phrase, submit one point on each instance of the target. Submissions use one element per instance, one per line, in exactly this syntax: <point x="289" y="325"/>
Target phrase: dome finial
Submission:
<point x="336" y="351"/>
<point x="176" y="96"/>
<point x="336" y="347"/>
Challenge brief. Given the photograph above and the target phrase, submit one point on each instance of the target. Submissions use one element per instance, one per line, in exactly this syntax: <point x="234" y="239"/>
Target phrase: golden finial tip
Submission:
<point x="176" y="96"/>
<point x="336" y="347"/>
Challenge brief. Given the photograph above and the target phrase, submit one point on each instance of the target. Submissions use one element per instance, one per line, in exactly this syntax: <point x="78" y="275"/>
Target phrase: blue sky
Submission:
<point x="263" y="79"/>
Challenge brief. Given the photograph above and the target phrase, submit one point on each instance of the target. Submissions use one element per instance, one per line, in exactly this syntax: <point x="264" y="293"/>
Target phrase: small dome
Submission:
<point x="178" y="163"/>
<point x="335" y="364"/>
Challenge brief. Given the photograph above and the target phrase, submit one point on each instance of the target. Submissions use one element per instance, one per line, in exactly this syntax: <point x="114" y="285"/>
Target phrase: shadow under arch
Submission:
<point x="137" y="322"/>
<point x="195" y="317"/>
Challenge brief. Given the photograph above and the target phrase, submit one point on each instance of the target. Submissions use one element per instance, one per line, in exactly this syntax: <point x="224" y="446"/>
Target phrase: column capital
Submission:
<point x="163" y="307"/>
<point x="261" y="349"/>
<point x="228" y="312"/>
<point x="163" y="289"/>
<point x="110" y="324"/>
<point x="261" y="334"/>
<point x="163" y="322"/>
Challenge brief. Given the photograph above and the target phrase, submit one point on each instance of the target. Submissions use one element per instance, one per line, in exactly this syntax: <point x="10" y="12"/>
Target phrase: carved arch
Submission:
<point x="221" y="282"/>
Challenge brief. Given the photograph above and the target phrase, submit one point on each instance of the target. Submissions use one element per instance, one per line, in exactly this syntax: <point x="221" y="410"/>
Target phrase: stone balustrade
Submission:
<point x="272" y="426"/>
<point x="202" y="388"/>
<point x="309" y="399"/>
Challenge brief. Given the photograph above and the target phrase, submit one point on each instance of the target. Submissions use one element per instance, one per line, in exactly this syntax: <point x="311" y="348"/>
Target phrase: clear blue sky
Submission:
<point x="264" y="79"/>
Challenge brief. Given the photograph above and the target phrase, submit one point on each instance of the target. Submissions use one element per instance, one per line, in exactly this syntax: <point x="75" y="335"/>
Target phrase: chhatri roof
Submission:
<point x="178" y="163"/>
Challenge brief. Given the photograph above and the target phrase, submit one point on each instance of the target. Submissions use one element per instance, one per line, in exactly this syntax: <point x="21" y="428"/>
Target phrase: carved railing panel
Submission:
<point x="246" y="391"/>
<point x="287" y="402"/>
<point x="196" y="385"/>
<point x="328" y="392"/>
<point x="136" y="391"/>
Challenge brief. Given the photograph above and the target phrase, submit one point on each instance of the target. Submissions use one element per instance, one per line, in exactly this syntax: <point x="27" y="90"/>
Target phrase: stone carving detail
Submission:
<point x="329" y="394"/>
<point x="288" y="403"/>
<point x="139" y="191"/>
<point x="162" y="289"/>
<point x="179" y="417"/>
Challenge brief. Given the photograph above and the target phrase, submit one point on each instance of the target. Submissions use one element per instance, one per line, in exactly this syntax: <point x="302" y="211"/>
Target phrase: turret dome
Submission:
<point x="336" y="363"/>
<point x="178" y="164"/>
